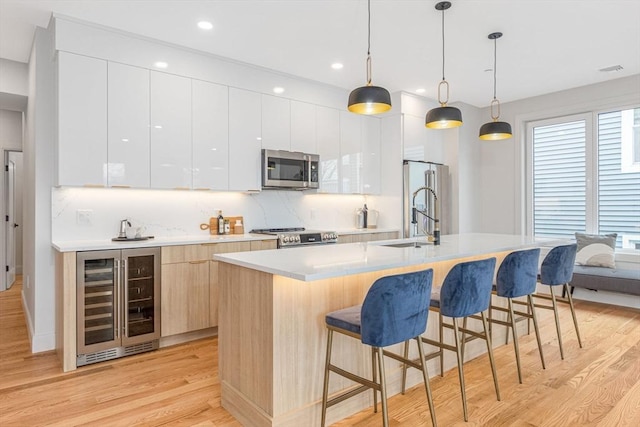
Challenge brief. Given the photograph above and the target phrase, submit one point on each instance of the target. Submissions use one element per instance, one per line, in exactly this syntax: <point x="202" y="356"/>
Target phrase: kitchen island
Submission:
<point x="271" y="333"/>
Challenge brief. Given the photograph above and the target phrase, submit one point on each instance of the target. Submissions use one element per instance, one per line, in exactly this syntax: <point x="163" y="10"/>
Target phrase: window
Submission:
<point x="586" y="181"/>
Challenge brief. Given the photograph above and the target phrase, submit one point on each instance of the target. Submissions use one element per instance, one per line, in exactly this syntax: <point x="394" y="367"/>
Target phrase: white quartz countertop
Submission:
<point x="97" y="245"/>
<point x="349" y="231"/>
<point x="326" y="261"/>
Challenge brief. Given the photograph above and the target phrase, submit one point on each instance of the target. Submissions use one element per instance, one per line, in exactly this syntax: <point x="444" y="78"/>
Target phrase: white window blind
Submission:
<point x="585" y="181"/>
<point x="559" y="174"/>
<point x="618" y="185"/>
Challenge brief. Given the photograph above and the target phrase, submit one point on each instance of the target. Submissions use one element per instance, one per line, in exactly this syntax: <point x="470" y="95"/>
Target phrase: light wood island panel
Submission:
<point x="273" y="341"/>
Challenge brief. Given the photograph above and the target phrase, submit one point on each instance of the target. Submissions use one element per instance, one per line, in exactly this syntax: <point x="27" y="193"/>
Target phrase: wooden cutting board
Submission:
<point x="213" y="224"/>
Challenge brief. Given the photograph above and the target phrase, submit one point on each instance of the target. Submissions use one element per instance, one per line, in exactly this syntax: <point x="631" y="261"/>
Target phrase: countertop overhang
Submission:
<point x="326" y="261"/>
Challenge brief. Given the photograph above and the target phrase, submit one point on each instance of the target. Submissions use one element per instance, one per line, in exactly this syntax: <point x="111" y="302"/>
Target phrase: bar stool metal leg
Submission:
<point x="557" y="318"/>
<point x="534" y="317"/>
<point x="441" y="326"/>
<point x="573" y="313"/>
<point x="383" y="387"/>
<point x="425" y="377"/>
<point x="460" y="371"/>
<point x="516" y="347"/>
<point x="325" y="390"/>
<point x="374" y="374"/>
<point x="490" y="351"/>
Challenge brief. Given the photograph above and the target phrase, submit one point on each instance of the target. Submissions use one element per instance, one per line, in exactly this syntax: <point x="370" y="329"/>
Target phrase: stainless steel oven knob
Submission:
<point x="297" y="238"/>
<point x="285" y="239"/>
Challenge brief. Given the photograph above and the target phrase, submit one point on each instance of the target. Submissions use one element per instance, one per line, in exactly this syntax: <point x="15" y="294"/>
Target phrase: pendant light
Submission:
<point x="443" y="117"/>
<point x="369" y="99"/>
<point x="495" y="130"/>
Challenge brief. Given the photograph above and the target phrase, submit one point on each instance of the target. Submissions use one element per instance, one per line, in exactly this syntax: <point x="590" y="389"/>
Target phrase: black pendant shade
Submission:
<point x="369" y="100"/>
<point x="494" y="131"/>
<point x="443" y="117"/>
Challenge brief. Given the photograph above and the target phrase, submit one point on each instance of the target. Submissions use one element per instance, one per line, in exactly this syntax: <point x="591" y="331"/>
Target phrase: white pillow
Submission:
<point x="596" y="250"/>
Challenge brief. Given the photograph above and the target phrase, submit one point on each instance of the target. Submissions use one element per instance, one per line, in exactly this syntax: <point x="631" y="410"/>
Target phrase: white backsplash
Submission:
<point x="165" y="213"/>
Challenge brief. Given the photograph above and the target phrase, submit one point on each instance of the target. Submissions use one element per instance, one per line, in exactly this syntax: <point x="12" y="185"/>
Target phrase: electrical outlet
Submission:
<point x="84" y="216"/>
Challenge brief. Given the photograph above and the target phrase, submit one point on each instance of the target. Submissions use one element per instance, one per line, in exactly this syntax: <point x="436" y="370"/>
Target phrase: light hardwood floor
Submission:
<point x="598" y="385"/>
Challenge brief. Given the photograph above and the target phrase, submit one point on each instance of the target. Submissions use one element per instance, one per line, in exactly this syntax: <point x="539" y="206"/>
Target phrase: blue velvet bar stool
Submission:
<point x="395" y="310"/>
<point x="557" y="270"/>
<point x="466" y="291"/>
<point x="517" y="277"/>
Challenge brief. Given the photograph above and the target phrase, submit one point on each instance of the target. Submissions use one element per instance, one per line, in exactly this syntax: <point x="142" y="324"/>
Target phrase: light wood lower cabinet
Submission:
<point x="189" y="297"/>
<point x="367" y="237"/>
<point x="185" y="297"/>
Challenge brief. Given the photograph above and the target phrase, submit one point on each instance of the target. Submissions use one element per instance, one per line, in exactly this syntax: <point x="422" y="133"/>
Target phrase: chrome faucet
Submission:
<point x="436" y="221"/>
<point x="123" y="228"/>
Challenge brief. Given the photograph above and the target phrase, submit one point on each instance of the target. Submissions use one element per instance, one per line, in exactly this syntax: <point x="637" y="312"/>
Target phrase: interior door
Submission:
<point x="11" y="224"/>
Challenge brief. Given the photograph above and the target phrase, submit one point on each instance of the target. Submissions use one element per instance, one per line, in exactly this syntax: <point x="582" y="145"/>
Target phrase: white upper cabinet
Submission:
<point x="210" y="135"/>
<point x="415" y="137"/>
<point x="350" y="152"/>
<point x="303" y="127"/>
<point x="245" y="116"/>
<point x="276" y="123"/>
<point x="170" y="131"/>
<point x="128" y="126"/>
<point x="371" y="146"/>
<point x="82" y="120"/>
<point x="328" y="147"/>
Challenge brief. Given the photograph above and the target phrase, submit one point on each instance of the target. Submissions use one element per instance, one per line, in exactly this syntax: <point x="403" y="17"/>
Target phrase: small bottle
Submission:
<point x="227" y="226"/>
<point x="365" y="214"/>
<point x="220" y="222"/>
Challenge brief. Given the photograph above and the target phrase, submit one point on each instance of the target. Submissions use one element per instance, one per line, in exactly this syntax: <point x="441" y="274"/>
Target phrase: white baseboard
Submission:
<point x="41" y="342"/>
<point x="615" y="298"/>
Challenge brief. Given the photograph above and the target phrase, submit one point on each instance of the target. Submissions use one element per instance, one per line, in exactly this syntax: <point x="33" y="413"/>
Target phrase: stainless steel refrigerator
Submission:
<point x="418" y="174"/>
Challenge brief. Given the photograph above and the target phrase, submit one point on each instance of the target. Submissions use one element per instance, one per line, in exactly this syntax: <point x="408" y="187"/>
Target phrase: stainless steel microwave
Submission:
<point x="290" y="170"/>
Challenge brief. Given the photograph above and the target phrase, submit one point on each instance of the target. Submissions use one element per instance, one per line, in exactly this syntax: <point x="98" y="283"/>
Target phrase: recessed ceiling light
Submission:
<point x="278" y="89"/>
<point x="205" y="25"/>
<point x="161" y="64"/>
<point x="421" y="90"/>
<point x="337" y="66"/>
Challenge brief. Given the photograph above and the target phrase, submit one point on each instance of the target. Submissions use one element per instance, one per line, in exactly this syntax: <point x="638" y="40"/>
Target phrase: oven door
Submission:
<point x="285" y="169"/>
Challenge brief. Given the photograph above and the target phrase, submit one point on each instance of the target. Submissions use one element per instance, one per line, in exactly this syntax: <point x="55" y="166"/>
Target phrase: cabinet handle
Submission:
<point x="126" y="297"/>
<point x="197" y="262"/>
<point x="116" y="323"/>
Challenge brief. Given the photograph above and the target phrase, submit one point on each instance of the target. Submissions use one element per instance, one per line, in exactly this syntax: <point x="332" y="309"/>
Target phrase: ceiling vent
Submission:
<point x="611" y="69"/>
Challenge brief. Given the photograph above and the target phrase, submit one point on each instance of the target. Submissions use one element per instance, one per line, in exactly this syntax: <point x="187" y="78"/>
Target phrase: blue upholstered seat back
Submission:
<point x="518" y="273"/>
<point x="557" y="266"/>
<point x="467" y="288"/>
<point x="396" y="308"/>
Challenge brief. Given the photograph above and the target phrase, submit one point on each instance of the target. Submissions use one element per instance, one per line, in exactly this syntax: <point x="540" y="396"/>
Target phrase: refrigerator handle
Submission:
<point x="125" y="290"/>
<point x="116" y="300"/>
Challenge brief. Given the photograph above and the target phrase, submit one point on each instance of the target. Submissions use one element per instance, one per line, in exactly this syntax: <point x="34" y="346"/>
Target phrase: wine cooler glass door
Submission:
<point x="141" y="295"/>
<point x="98" y="296"/>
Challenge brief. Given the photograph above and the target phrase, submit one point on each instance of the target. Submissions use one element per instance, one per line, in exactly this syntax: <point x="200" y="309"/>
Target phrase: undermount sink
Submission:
<point x="407" y="245"/>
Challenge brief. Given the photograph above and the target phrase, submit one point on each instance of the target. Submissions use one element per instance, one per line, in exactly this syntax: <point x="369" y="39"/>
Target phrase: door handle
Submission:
<point x="15" y="225"/>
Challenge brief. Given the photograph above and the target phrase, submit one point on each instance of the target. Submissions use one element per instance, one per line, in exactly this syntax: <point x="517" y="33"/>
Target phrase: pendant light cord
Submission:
<point x="443" y="44"/>
<point x="495" y="62"/>
<point x="369" y="43"/>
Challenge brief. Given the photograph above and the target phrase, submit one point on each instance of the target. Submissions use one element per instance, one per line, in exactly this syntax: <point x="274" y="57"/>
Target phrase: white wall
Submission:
<point x="14" y="77"/>
<point x="38" y="266"/>
<point x="502" y="174"/>
<point x="11" y="130"/>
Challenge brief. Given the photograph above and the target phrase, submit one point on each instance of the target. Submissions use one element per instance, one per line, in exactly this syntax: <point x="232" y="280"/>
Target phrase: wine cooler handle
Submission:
<point x="125" y="289"/>
<point x="116" y="300"/>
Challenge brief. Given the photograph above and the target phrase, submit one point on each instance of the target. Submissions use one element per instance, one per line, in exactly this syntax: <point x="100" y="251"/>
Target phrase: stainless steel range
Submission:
<point x="296" y="237"/>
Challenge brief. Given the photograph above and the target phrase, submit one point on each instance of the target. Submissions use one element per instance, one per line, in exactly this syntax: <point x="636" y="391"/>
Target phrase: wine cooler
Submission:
<point x="118" y="304"/>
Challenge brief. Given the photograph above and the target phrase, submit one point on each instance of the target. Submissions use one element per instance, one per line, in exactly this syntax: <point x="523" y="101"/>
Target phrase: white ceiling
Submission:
<point x="548" y="45"/>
